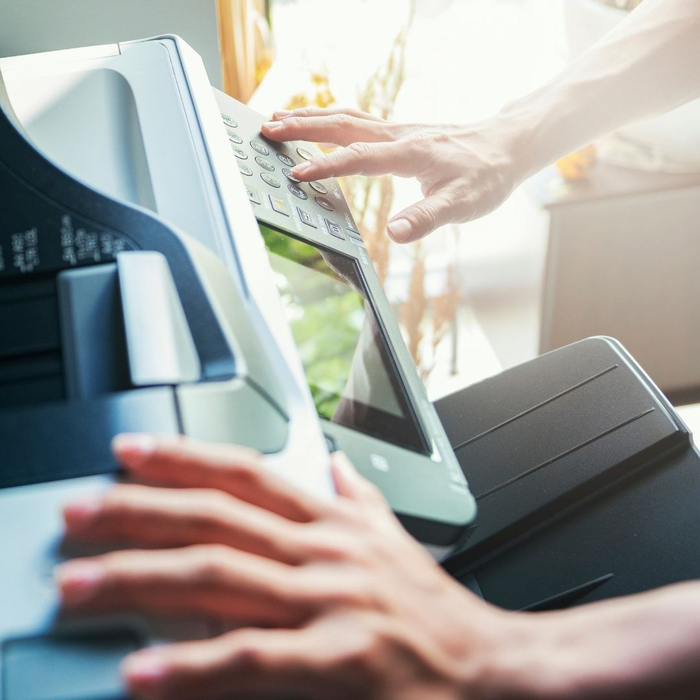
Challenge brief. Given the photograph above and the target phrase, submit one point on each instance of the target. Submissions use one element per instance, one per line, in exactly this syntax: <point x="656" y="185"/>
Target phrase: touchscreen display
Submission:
<point x="352" y="377"/>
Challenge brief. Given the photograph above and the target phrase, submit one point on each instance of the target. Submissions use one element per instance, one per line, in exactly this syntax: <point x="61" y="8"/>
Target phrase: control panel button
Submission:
<point x="273" y="182"/>
<point x="261" y="148"/>
<point x="288" y="174"/>
<point x="350" y="225"/>
<point x="354" y="234"/>
<point x="279" y="205"/>
<point x="321" y="189"/>
<point x="305" y="154"/>
<point x="306" y="218"/>
<point x="334" y="229"/>
<point x="265" y="164"/>
<point x="233" y="137"/>
<point x="287" y="160"/>
<point x="245" y="169"/>
<point x="253" y="195"/>
<point x="323" y="202"/>
<point x="297" y="191"/>
<point x="240" y="153"/>
<point x="229" y="121"/>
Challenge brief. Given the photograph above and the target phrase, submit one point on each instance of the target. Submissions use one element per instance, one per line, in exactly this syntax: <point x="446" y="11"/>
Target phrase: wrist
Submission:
<point x="525" y="123"/>
<point x="551" y="122"/>
<point x="517" y="662"/>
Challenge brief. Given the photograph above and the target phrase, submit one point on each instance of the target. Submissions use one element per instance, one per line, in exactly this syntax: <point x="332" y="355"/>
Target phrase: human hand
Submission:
<point x="354" y="607"/>
<point x="465" y="172"/>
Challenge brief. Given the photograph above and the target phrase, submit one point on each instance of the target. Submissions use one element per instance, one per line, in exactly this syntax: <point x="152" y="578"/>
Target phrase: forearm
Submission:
<point x="643" y="647"/>
<point x="647" y="65"/>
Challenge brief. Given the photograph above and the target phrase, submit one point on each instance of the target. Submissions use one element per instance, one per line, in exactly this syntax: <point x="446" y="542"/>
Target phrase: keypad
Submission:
<point x="272" y="181"/>
<point x="297" y="192"/>
<point x="304" y="153"/>
<point x="320" y="188"/>
<point x="269" y="160"/>
<point x="264" y="164"/>
<point x="284" y="158"/>
<point x="306" y="218"/>
<point x="279" y="205"/>
<point x="261" y="148"/>
<point x="334" y="229"/>
<point x="323" y="202"/>
<point x="288" y="174"/>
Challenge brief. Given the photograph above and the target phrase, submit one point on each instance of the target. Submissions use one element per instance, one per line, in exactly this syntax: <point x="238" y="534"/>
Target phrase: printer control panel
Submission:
<point x="266" y="167"/>
<point x="370" y="400"/>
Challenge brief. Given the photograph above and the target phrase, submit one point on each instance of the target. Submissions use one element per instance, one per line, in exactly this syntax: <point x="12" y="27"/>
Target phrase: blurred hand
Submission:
<point x="465" y="171"/>
<point x="359" y="609"/>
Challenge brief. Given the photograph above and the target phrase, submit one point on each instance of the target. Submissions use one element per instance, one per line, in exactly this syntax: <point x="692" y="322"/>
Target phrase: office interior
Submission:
<point x="594" y="245"/>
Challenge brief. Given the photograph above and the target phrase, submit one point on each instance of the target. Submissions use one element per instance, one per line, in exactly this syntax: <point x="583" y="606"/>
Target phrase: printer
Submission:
<point x="144" y="286"/>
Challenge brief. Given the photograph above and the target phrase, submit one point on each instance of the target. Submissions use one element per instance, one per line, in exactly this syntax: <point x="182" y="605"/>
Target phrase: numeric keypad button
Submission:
<point x="260" y="148"/>
<point x="273" y="182"/>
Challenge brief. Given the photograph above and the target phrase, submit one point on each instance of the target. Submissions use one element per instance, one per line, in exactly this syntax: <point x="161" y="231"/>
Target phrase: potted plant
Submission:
<point x="670" y="142"/>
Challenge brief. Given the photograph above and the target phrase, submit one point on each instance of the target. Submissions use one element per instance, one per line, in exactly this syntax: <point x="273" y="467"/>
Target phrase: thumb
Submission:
<point x="351" y="484"/>
<point x="420" y="219"/>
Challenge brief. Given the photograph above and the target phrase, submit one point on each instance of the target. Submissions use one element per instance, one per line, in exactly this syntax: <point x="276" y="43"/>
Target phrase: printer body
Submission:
<point x="140" y="290"/>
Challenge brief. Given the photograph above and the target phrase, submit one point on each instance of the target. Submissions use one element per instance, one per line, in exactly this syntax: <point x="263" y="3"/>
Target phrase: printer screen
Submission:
<point x="350" y="371"/>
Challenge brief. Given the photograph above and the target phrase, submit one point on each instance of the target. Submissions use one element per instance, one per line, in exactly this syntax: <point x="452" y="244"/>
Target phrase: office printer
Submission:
<point x="139" y="292"/>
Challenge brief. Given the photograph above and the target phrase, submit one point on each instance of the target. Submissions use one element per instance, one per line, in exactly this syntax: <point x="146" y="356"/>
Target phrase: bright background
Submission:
<point x="464" y="59"/>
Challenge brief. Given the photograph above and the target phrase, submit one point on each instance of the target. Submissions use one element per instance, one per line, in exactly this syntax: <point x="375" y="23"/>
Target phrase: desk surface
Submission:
<point x="606" y="182"/>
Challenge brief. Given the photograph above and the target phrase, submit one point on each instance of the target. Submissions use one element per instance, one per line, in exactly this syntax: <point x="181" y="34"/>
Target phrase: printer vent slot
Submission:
<point x="30" y="347"/>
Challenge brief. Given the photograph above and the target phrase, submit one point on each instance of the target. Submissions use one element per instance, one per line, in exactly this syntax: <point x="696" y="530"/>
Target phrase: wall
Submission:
<point x="31" y="26"/>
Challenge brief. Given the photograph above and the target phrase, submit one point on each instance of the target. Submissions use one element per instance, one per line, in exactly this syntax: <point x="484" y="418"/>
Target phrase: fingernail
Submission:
<point x="78" y="581"/>
<point x="80" y="515"/>
<point x="144" y="670"/>
<point x="271" y="126"/>
<point x="301" y="168"/>
<point x="399" y="229"/>
<point x="282" y="114"/>
<point x="134" y="448"/>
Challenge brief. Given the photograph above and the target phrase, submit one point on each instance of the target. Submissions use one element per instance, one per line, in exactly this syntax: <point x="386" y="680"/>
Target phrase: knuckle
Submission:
<point x="209" y="565"/>
<point x="117" y="503"/>
<point x="459" y="193"/>
<point x="364" y="653"/>
<point x="440" y="137"/>
<point x="331" y="552"/>
<point x="294" y="122"/>
<point x="249" y="656"/>
<point x="353" y="592"/>
<point x="341" y="120"/>
<point x="213" y="503"/>
<point x="360" y="150"/>
<point x="248" y="473"/>
<point x="427" y="213"/>
<point x="419" y="141"/>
